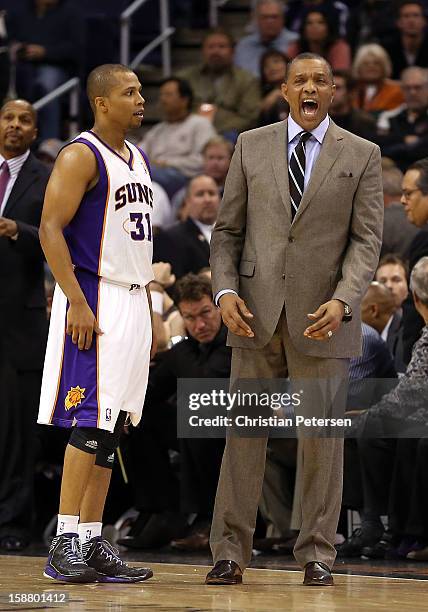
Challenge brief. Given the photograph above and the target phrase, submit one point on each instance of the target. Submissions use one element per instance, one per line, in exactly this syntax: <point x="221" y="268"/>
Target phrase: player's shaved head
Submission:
<point x="102" y="79"/>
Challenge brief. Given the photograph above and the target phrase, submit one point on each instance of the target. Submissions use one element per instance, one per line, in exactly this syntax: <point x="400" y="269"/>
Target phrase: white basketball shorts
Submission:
<point x="89" y="388"/>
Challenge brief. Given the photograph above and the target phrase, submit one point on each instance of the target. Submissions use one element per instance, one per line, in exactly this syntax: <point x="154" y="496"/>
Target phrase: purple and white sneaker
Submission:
<point x="65" y="561"/>
<point x="102" y="557"/>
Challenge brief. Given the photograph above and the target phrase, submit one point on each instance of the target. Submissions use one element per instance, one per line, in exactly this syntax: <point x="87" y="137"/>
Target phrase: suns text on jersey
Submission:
<point x="133" y="192"/>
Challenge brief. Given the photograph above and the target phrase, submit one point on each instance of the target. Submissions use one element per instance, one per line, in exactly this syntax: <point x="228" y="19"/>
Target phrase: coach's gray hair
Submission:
<point x="419" y="280"/>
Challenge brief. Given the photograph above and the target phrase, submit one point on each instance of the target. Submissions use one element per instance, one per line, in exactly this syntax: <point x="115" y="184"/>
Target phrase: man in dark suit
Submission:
<point x="295" y="246"/>
<point x="23" y="331"/>
<point x="415" y="201"/>
<point x="186" y="245"/>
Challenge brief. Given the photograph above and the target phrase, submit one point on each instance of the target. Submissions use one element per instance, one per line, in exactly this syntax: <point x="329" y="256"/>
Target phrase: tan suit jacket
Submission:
<point x="330" y="250"/>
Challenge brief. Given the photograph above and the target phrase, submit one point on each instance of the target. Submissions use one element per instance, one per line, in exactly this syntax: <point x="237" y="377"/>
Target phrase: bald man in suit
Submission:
<point x="294" y="249"/>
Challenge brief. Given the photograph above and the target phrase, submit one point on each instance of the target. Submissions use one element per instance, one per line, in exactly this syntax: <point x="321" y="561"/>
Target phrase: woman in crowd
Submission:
<point x="318" y="34"/>
<point x="273" y="69"/>
<point x="375" y="91"/>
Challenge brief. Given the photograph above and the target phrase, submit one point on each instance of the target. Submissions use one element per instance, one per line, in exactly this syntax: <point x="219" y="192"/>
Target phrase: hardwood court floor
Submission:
<point x="176" y="587"/>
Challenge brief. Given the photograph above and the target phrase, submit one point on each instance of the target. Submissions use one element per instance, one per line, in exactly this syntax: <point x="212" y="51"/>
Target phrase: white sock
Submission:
<point x="67" y="523"/>
<point x="87" y="531"/>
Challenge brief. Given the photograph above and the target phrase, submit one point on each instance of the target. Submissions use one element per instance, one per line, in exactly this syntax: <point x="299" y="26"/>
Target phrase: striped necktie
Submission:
<point x="296" y="172"/>
<point x="4" y="181"/>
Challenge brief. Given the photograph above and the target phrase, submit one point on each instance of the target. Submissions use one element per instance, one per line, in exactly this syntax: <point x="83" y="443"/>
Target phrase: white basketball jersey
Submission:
<point x="111" y="233"/>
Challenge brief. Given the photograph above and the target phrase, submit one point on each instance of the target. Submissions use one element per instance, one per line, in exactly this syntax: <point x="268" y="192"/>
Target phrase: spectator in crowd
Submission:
<point x="415" y="201"/>
<point x="403" y="132"/>
<point x="228" y="95"/>
<point x="408" y="45"/>
<point x="341" y="109"/>
<point x="379" y="310"/>
<point x="392" y="272"/>
<point x="402" y="412"/>
<point x="270" y="34"/>
<point x="318" y="34"/>
<point x="398" y="232"/>
<point x="186" y="245"/>
<point x="274" y="107"/>
<point x="338" y="11"/>
<point x="202" y="354"/>
<point x="47" y="39"/>
<point x="375" y="91"/>
<point x="175" y="145"/>
<point x="216" y="154"/>
<point x="23" y="319"/>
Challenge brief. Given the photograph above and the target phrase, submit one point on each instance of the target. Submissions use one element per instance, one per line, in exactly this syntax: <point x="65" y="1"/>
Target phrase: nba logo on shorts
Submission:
<point x="108" y="414"/>
<point x="88" y="534"/>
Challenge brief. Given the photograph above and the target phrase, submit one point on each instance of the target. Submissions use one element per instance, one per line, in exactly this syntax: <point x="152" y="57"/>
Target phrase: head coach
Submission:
<point x="295" y="246"/>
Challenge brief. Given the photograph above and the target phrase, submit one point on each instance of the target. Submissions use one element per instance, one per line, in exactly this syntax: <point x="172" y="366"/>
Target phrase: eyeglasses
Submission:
<point x="407" y="193"/>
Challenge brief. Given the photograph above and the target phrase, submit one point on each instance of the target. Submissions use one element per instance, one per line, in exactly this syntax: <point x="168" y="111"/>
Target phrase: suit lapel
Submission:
<point x="280" y="164"/>
<point x="24" y="180"/>
<point x="330" y="149"/>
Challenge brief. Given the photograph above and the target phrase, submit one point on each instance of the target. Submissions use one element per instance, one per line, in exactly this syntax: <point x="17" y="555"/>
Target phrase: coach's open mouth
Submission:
<point x="309" y="107"/>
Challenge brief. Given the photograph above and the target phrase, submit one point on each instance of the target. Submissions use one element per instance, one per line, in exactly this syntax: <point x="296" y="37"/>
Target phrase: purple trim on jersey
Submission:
<point x="84" y="233"/>
<point x="80" y="368"/>
<point x="146" y="159"/>
<point x="130" y="161"/>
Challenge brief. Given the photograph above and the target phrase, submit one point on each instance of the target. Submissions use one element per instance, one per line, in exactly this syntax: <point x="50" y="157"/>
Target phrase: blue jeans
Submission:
<point x="35" y="81"/>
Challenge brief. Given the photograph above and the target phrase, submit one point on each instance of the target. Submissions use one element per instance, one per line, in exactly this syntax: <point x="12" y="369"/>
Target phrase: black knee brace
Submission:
<point x="98" y="442"/>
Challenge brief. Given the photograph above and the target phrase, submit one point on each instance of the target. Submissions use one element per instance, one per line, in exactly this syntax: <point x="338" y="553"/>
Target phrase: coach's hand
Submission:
<point x="329" y="317"/>
<point x="81" y="325"/>
<point x="232" y="307"/>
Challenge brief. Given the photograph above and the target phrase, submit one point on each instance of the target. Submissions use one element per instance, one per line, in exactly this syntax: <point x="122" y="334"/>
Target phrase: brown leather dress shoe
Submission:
<point x="198" y="541"/>
<point x="317" y="574"/>
<point x="224" y="572"/>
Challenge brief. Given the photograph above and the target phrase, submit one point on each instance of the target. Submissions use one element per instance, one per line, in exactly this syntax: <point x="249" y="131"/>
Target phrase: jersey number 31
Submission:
<point x="141" y="232"/>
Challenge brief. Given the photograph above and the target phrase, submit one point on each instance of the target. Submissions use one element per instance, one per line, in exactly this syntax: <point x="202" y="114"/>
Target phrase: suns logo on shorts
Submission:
<point x="74" y="397"/>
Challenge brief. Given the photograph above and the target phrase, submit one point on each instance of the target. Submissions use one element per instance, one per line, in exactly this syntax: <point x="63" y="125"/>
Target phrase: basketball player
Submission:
<point x="97" y="238"/>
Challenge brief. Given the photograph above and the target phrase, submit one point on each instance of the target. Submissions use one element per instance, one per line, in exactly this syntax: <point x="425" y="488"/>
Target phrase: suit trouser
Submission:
<point x="276" y="502"/>
<point x="243" y="465"/>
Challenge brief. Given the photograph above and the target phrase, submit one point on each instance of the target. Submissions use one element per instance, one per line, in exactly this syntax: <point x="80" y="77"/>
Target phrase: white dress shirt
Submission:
<point x="15" y="164"/>
<point x="385" y="331"/>
<point x="312" y="150"/>
<point x="206" y="230"/>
